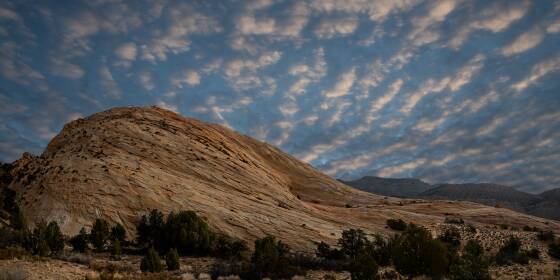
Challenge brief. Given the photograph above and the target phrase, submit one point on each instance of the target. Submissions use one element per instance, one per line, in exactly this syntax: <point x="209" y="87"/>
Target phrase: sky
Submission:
<point x="445" y="91"/>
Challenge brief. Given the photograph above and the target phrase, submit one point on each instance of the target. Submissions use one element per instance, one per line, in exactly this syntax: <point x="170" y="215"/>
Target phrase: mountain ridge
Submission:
<point x="546" y="204"/>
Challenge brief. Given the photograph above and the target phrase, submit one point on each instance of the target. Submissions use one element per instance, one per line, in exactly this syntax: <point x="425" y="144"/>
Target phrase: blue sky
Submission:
<point x="445" y="91"/>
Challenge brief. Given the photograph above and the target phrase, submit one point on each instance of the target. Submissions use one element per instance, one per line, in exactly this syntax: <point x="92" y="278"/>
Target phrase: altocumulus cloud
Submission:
<point x="456" y="91"/>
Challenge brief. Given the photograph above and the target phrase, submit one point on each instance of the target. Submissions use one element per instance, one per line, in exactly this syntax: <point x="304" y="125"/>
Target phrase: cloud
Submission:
<point x="337" y="27"/>
<point x="146" y="80"/>
<point x="376" y="10"/>
<point x="61" y="67"/>
<point x="537" y="72"/>
<point x="184" y="21"/>
<point x="241" y="73"/>
<point x="308" y="74"/>
<point x="466" y="73"/>
<point x="401" y="168"/>
<point x="126" y="51"/>
<point x="190" y="78"/>
<point x="423" y="32"/>
<point x="343" y="85"/>
<point x="554" y="27"/>
<point x="249" y="25"/>
<point x="524" y="42"/>
<point x="495" y="18"/>
<point x="15" y="69"/>
<point x="109" y="83"/>
<point x="378" y="104"/>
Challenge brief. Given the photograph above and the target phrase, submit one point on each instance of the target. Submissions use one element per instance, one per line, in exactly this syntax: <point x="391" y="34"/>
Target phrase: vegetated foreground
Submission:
<point x="117" y="165"/>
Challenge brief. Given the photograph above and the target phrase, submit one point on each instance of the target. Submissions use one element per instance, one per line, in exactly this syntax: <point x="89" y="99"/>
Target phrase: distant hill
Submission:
<point x="407" y="187"/>
<point x="488" y="194"/>
<point x="546" y="205"/>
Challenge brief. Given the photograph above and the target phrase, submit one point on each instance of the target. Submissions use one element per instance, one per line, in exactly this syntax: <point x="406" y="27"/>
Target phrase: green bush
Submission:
<point x="554" y="250"/>
<point x="45" y="239"/>
<point x="116" y="249"/>
<point x="79" y="241"/>
<point x="229" y="248"/>
<point x="534" y="254"/>
<point x="510" y="253"/>
<point x="451" y="236"/>
<point x="151" y="262"/>
<point x="363" y="267"/>
<point x="270" y="258"/>
<point x="99" y="234"/>
<point x="394" y="224"/>
<point x="472" y="265"/>
<point x="185" y="231"/>
<point x="54" y="238"/>
<point x="415" y="253"/>
<point x="172" y="260"/>
<point x="380" y="249"/>
<point x="545" y="235"/>
<point x="118" y="233"/>
<point x="324" y="251"/>
<point x="353" y="242"/>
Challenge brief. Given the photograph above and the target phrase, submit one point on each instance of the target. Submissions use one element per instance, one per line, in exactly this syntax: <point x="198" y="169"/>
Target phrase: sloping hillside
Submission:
<point x="119" y="163"/>
<point x="407" y="187"/>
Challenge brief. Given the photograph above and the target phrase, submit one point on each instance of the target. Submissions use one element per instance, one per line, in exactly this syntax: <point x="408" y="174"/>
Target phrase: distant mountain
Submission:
<point x="546" y="204"/>
<point x="407" y="187"/>
<point x="488" y="194"/>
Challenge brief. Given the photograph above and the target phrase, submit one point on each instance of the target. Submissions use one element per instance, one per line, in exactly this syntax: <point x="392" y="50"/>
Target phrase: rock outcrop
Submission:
<point x="120" y="163"/>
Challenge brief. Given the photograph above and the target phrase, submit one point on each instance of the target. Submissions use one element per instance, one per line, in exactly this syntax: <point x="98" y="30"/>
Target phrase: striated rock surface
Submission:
<point x="120" y="163"/>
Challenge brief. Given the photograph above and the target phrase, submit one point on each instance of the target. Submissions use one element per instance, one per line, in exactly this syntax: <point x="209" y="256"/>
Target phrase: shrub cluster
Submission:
<point x="100" y="236"/>
<point x="394" y="224"/>
<point x="554" y="249"/>
<point x="187" y="233"/>
<point x="511" y="253"/>
<point x="472" y="265"/>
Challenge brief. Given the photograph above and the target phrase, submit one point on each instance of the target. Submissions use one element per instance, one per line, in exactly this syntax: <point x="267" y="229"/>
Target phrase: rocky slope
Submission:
<point x="119" y="163"/>
<point x="407" y="187"/>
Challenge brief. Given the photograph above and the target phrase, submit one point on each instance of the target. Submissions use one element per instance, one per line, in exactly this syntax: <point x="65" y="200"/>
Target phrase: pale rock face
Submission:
<point x="120" y="163"/>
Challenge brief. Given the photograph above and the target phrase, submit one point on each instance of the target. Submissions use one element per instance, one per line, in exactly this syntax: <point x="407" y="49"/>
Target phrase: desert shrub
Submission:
<point x="185" y="231"/>
<point x="229" y="248"/>
<point x="150" y="228"/>
<point x="324" y="251"/>
<point x="353" y="242"/>
<point x="528" y="228"/>
<point x="79" y="241"/>
<point x="45" y="239"/>
<point x="395" y="224"/>
<point x="116" y="249"/>
<point x="380" y="249"/>
<point x="457" y="221"/>
<point x="534" y="253"/>
<point x="504" y="226"/>
<point x="329" y="277"/>
<point x="545" y="235"/>
<point x="472" y="265"/>
<point x="363" y="267"/>
<point x="414" y="252"/>
<point x="54" y="237"/>
<point x="172" y="260"/>
<point x="554" y="250"/>
<point x="151" y="262"/>
<point x="18" y="220"/>
<point x="99" y="234"/>
<point x="270" y="259"/>
<point x="510" y="253"/>
<point x="9" y="237"/>
<point x="118" y="233"/>
<point x="451" y="236"/>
